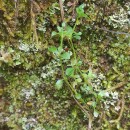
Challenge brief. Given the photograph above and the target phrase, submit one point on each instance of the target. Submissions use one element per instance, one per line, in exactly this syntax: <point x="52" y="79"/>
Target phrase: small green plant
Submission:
<point x="77" y="80"/>
<point x="86" y="78"/>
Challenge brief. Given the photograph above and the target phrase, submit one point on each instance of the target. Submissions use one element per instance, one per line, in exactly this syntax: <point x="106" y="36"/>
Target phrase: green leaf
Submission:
<point x="101" y="94"/>
<point x="63" y="24"/>
<point x="52" y="49"/>
<point x="80" y="11"/>
<point x="89" y="88"/>
<point x="69" y="32"/>
<point x="77" y="35"/>
<point x="118" y="125"/>
<point x="86" y="88"/>
<point x="60" y="49"/>
<point x="85" y="75"/>
<point x="79" y="80"/>
<point x="69" y="71"/>
<point x="94" y="104"/>
<point x="54" y="33"/>
<point x="91" y="75"/>
<point x="95" y="113"/>
<point x="60" y="29"/>
<point x="79" y="63"/>
<point x="59" y="84"/>
<point x="17" y="63"/>
<point x="66" y="55"/>
<point x="74" y="113"/>
<point x="73" y="62"/>
<point x="78" y="96"/>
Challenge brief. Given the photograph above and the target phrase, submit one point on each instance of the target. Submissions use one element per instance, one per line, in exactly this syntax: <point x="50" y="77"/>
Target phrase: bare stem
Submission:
<point x="121" y="112"/>
<point x="61" y="10"/>
<point x="117" y="86"/>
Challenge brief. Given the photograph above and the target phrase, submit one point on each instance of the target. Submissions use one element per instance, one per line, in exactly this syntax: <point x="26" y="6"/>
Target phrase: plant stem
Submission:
<point x="66" y="80"/>
<point x="72" y="90"/>
<point x="117" y="86"/>
<point x="121" y="112"/>
<point x="61" y="40"/>
<point x="72" y="46"/>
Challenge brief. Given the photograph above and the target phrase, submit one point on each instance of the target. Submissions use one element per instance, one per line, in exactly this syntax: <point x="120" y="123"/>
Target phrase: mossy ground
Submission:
<point x="29" y="99"/>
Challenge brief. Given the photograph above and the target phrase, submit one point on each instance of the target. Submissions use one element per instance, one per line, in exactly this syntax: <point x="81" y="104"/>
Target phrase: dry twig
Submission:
<point x="61" y="10"/>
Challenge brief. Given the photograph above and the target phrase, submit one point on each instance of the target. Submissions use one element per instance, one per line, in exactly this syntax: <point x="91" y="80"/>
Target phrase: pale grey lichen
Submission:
<point x="111" y="100"/>
<point x="120" y="19"/>
<point x="98" y="82"/>
<point x="50" y="69"/>
<point x="27" y="93"/>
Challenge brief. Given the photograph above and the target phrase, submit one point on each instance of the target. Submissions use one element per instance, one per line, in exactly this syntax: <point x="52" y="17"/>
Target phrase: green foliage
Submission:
<point x="80" y="11"/>
<point x="66" y="55"/>
<point x="59" y="84"/>
<point x="69" y="72"/>
<point x="78" y="96"/>
<point x="52" y="49"/>
<point x="71" y="75"/>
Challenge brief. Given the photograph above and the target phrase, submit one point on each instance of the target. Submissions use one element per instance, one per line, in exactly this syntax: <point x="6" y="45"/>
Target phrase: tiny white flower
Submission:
<point x="106" y="94"/>
<point x="73" y="20"/>
<point x="24" y="47"/>
<point x="98" y="83"/>
<point x="117" y="108"/>
<point x="43" y="75"/>
<point x="112" y="103"/>
<point x="107" y="106"/>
